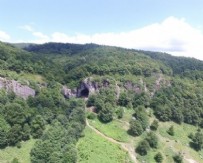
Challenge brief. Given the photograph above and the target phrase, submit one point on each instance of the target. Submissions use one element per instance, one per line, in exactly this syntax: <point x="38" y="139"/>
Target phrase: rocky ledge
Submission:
<point x="19" y="89"/>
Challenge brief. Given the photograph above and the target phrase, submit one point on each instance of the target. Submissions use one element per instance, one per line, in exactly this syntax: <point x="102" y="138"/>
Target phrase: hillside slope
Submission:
<point x="121" y="91"/>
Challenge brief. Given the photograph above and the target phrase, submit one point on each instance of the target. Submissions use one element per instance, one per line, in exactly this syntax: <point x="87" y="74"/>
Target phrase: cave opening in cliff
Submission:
<point x="84" y="93"/>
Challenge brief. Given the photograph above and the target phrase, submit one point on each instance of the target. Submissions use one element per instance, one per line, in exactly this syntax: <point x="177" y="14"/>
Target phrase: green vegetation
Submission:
<point x="93" y="148"/>
<point x="22" y="154"/>
<point x="158" y="157"/>
<point x="114" y="129"/>
<point x="149" y="101"/>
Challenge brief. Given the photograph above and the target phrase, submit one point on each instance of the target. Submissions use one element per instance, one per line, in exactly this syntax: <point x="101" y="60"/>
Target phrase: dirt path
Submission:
<point x="190" y="160"/>
<point x="127" y="147"/>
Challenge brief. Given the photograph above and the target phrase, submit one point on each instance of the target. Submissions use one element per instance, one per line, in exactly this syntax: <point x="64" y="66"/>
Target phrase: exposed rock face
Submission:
<point x="141" y="86"/>
<point x="68" y="93"/>
<point x="133" y="87"/>
<point x="19" y="89"/>
<point x="87" y="87"/>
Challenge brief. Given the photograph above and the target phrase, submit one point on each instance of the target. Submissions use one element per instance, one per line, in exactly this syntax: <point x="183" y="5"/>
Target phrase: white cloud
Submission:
<point x="173" y="35"/>
<point x="27" y="28"/>
<point x="4" y="36"/>
<point x="39" y="36"/>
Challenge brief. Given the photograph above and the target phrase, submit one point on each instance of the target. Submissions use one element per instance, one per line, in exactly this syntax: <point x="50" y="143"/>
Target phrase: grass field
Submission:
<point x="95" y="149"/>
<point x="169" y="145"/>
<point x="115" y="129"/>
<point x="22" y="154"/>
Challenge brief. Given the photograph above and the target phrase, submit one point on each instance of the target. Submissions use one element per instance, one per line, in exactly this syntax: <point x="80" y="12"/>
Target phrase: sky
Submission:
<point x="172" y="26"/>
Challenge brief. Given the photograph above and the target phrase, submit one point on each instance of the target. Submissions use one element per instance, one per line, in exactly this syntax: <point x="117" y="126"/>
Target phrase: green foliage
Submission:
<point x="158" y="157"/>
<point x="142" y="117"/>
<point x="106" y="113"/>
<point x="135" y="128"/>
<point x="14" y="134"/>
<point x="15" y="114"/>
<point x="197" y="140"/>
<point x="143" y="147"/>
<point x="171" y="131"/>
<point x="120" y="112"/>
<point x="154" y="126"/>
<point x="91" y="115"/>
<point x="15" y="160"/>
<point x="3" y="138"/>
<point x="37" y="126"/>
<point x="94" y="148"/>
<point x="182" y="102"/>
<point x="178" y="158"/>
<point x="68" y="64"/>
<point x="141" y="99"/>
<point x="152" y="139"/>
<point x="124" y="100"/>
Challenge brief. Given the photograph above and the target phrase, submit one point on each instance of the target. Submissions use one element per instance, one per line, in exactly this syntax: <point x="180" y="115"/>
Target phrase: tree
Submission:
<point x="15" y="160"/>
<point x="56" y="157"/>
<point x="15" y="134"/>
<point x="163" y="113"/>
<point x="158" y="157"/>
<point x="178" y="158"/>
<point x="177" y="115"/>
<point x="154" y="125"/>
<point x="143" y="148"/>
<point x="106" y="114"/>
<point x="152" y="139"/>
<point x="120" y="112"/>
<point x="171" y="131"/>
<point x="141" y="116"/>
<point x="41" y="151"/>
<point x="3" y="138"/>
<point x="26" y="132"/>
<point x="70" y="155"/>
<point x="123" y="99"/>
<point x="135" y="128"/>
<point x="37" y="126"/>
<point x="15" y="114"/>
<point x="91" y="100"/>
<point x="197" y="140"/>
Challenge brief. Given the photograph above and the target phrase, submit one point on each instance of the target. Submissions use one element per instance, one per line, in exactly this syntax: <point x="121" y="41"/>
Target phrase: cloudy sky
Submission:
<point x="172" y="26"/>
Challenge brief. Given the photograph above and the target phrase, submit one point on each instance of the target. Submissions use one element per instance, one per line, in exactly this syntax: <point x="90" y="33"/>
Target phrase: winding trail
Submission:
<point x="126" y="146"/>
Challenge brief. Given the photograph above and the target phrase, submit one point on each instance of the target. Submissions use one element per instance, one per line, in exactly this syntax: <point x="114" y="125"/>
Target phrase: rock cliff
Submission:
<point x="19" y="89"/>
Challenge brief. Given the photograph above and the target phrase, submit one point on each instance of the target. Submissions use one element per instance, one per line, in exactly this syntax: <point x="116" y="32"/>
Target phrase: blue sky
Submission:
<point x="173" y="26"/>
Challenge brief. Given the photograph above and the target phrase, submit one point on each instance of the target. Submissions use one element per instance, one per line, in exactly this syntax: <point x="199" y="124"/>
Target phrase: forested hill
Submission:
<point x="178" y="64"/>
<point x="115" y="82"/>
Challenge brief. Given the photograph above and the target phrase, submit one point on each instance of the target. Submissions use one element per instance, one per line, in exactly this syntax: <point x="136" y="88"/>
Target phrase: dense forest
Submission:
<point x="171" y="87"/>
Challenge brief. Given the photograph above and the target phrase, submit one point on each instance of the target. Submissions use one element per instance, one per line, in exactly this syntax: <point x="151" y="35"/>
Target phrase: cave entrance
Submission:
<point x="84" y="93"/>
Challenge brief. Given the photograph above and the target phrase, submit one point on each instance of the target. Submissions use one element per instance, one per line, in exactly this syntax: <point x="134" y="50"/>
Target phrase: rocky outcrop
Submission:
<point x="133" y="87"/>
<point x="68" y="93"/>
<point x="19" y="89"/>
<point x="87" y="87"/>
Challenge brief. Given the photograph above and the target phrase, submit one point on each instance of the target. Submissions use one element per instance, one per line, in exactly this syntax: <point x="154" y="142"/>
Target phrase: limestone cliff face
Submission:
<point x="19" y="89"/>
<point x="87" y="87"/>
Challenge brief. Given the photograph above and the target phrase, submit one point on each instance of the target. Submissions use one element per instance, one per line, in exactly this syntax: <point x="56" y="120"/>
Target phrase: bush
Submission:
<point x="197" y="141"/>
<point x="154" y="126"/>
<point x="171" y="131"/>
<point x="91" y="115"/>
<point x="143" y="148"/>
<point x="120" y="112"/>
<point x="152" y="139"/>
<point x="135" y="128"/>
<point x="178" y="158"/>
<point x="158" y="157"/>
<point x="18" y="145"/>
